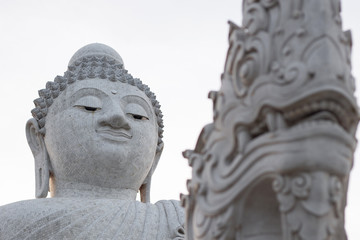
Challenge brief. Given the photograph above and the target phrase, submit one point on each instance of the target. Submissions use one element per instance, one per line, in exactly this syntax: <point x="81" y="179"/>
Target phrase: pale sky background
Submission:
<point x="177" y="47"/>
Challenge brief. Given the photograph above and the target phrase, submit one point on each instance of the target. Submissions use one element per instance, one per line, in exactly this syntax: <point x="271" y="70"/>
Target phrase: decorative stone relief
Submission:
<point x="275" y="162"/>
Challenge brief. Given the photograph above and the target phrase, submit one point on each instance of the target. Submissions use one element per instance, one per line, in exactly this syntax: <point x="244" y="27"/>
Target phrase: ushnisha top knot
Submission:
<point x="92" y="61"/>
<point x="96" y="49"/>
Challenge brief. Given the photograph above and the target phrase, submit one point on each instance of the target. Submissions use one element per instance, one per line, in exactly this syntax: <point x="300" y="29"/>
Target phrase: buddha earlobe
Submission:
<point x="145" y="187"/>
<point x="37" y="145"/>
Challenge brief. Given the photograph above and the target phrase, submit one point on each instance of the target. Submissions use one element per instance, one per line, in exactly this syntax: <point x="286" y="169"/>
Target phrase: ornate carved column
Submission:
<point x="275" y="162"/>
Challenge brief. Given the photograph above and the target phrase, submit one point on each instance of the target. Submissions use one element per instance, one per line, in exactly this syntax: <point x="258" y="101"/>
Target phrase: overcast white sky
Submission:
<point x="176" y="47"/>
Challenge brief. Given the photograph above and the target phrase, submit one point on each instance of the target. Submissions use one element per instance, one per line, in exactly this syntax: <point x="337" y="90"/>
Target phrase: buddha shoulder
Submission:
<point x="65" y="218"/>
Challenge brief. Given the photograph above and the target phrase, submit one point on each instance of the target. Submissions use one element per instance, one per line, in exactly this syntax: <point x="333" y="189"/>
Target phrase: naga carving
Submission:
<point x="275" y="162"/>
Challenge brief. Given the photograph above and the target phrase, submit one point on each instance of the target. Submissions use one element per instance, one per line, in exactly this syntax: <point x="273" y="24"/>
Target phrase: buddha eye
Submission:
<point x="138" y="117"/>
<point x="136" y="112"/>
<point x="88" y="103"/>
<point x="90" y="109"/>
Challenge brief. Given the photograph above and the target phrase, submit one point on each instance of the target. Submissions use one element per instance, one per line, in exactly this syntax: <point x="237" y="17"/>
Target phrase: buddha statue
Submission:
<point x="96" y="137"/>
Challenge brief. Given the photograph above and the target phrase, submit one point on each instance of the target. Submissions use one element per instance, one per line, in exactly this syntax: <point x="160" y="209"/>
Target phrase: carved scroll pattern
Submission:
<point x="311" y="204"/>
<point x="289" y="53"/>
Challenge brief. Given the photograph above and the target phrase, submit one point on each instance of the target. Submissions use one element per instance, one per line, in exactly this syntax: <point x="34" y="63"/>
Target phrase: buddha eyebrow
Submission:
<point x="139" y="100"/>
<point x="86" y="91"/>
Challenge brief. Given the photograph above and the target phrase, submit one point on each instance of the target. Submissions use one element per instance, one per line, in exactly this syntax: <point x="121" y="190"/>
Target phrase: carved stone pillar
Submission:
<point x="275" y="162"/>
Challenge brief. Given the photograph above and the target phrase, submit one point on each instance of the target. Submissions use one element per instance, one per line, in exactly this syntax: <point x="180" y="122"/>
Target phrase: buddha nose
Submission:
<point x="115" y="118"/>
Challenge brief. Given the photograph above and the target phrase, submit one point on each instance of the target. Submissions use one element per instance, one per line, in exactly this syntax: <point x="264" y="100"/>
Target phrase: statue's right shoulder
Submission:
<point x="19" y="219"/>
<point x="15" y="216"/>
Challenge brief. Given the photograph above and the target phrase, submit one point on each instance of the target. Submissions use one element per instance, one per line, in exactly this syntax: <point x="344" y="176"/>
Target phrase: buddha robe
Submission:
<point x="69" y="218"/>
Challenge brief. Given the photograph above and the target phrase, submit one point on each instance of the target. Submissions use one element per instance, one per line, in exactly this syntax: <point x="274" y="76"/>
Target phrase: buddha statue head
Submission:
<point x="96" y="131"/>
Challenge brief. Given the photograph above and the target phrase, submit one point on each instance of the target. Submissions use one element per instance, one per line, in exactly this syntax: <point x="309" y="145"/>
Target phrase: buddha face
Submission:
<point x="101" y="133"/>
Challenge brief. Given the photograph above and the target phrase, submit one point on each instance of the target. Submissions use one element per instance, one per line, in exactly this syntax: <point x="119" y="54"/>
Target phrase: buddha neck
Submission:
<point x="83" y="190"/>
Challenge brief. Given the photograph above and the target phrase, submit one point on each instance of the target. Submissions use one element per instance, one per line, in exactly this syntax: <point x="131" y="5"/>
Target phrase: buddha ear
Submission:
<point x="145" y="187"/>
<point x="42" y="164"/>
